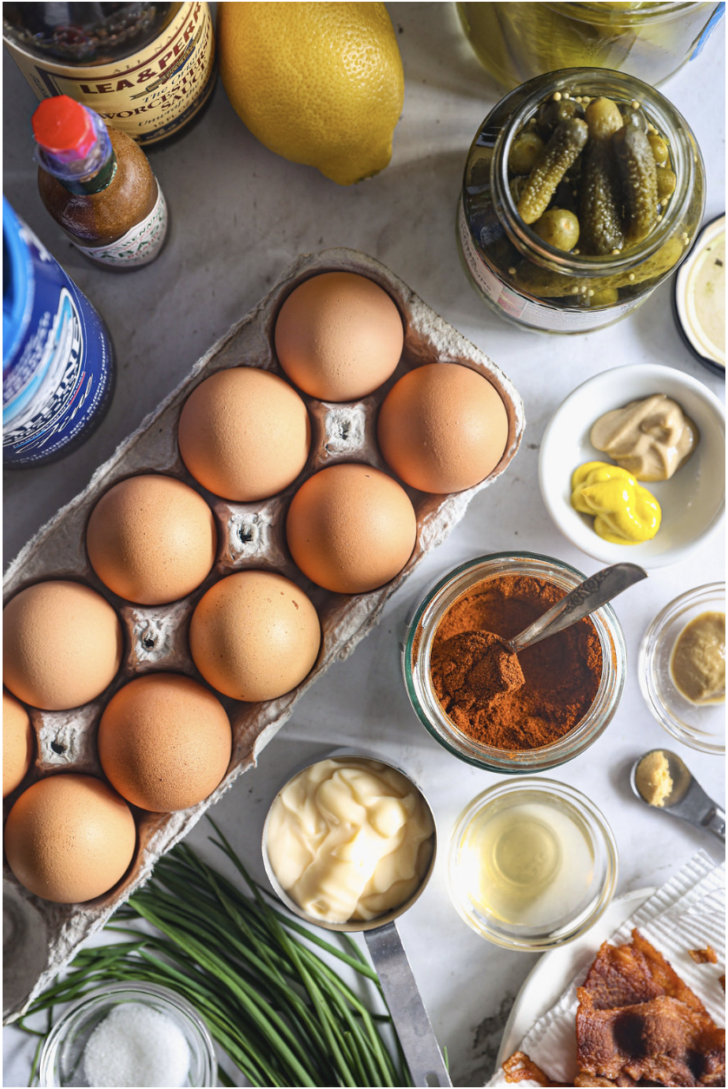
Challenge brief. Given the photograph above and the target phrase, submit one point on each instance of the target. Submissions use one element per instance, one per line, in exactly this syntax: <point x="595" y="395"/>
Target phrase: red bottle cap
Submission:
<point x="62" y="125"/>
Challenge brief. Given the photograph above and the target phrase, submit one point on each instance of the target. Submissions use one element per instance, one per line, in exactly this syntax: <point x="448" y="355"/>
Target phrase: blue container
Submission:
<point x="58" y="371"/>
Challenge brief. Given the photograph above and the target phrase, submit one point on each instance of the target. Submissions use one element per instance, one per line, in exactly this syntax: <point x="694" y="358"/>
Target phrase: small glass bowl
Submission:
<point x="417" y="646"/>
<point x="600" y="844"/>
<point x="60" y="1060"/>
<point x="700" y="727"/>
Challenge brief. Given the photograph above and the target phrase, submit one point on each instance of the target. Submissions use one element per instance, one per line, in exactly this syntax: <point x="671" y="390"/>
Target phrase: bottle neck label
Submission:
<point x="101" y="180"/>
<point x="150" y="94"/>
<point x="139" y="245"/>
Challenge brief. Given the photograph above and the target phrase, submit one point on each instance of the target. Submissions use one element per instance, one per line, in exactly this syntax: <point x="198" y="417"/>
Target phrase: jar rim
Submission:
<point x="670" y="123"/>
<point x="656" y="11"/>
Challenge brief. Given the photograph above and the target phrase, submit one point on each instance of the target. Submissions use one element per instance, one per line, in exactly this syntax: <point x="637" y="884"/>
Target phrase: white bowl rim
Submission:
<point x="603" y="550"/>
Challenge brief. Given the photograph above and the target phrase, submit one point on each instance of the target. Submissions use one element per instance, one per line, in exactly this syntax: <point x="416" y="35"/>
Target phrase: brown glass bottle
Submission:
<point x="98" y="185"/>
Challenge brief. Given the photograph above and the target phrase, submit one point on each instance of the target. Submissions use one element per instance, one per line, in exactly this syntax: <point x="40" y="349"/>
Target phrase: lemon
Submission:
<point x="318" y="83"/>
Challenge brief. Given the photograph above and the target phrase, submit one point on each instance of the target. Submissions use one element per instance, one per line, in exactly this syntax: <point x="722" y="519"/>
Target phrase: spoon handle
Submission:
<point x="714" y="821"/>
<point x="584" y="599"/>
<point x="406" y="1007"/>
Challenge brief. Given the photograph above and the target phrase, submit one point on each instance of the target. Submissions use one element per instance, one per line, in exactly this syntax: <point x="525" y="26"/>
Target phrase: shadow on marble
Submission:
<point x="435" y="51"/>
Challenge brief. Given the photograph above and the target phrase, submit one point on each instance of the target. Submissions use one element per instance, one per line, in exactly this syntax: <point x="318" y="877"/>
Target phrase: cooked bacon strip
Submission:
<point x="521" y="1068"/>
<point x="704" y="956"/>
<point x="625" y="975"/>
<point x="663" y="1041"/>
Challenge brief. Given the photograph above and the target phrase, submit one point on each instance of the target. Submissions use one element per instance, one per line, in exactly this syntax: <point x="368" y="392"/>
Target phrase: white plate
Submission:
<point x="550" y="976"/>
<point x="692" y="502"/>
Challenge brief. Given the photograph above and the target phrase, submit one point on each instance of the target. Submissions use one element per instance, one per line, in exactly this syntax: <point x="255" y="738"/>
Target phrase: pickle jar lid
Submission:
<point x="699" y="297"/>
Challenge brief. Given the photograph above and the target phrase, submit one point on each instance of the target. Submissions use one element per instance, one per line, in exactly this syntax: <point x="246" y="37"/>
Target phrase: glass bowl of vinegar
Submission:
<point x="532" y="864"/>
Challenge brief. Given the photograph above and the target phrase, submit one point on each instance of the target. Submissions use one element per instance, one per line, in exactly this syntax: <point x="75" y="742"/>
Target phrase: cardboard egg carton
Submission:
<point x="40" y="937"/>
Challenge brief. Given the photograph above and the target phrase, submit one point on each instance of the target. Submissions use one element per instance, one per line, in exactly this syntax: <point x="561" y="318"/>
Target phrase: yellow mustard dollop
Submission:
<point x="624" y="512"/>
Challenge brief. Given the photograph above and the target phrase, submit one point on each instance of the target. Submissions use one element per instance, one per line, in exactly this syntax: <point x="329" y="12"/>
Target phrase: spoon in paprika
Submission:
<point x="498" y="654"/>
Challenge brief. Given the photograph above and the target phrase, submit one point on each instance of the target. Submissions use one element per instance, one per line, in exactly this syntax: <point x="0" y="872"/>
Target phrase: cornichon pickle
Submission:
<point x="553" y="111"/>
<point x="633" y="115"/>
<point x="550" y="285"/>
<point x="558" y="227"/>
<point x="562" y="149"/>
<point x="666" y="182"/>
<point x="524" y="152"/>
<point x="638" y="178"/>
<point x="660" y="152"/>
<point x="601" y="227"/>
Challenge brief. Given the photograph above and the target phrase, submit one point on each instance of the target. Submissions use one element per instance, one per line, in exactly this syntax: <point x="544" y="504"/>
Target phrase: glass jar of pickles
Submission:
<point x="516" y="42"/>
<point x="583" y="190"/>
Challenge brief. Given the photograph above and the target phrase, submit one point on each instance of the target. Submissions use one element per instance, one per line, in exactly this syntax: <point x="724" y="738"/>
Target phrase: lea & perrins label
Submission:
<point x="149" y="94"/>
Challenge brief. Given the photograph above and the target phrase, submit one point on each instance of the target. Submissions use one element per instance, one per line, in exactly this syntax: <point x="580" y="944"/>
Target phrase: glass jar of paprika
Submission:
<point x="588" y="705"/>
<point x="559" y="286"/>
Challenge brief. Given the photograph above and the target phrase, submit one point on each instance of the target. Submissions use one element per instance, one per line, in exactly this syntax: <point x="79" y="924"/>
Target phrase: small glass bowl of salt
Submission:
<point x="129" y="1034"/>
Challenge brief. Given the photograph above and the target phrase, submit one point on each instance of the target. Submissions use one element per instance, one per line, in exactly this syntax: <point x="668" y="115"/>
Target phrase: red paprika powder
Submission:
<point x="561" y="674"/>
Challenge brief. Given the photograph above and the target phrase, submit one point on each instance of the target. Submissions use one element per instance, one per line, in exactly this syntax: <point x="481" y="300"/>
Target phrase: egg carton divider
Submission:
<point x="45" y="936"/>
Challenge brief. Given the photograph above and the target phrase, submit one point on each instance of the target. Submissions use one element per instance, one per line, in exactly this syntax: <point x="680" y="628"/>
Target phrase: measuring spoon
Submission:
<point x="687" y="799"/>
<point x="403" y="998"/>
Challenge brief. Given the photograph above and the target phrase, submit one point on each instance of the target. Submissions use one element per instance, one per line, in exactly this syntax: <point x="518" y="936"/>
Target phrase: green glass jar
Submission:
<point x="516" y="42"/>
<point x="527" y="280"/>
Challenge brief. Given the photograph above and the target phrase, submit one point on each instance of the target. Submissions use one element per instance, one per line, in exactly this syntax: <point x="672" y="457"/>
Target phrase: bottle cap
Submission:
<point x="63" y="126"/>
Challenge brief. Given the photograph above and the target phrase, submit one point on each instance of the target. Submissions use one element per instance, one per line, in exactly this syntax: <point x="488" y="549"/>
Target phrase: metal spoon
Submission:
<point x="583" y="600"/>
<point x="399" y="985"/>
<point x="687" y="799"/>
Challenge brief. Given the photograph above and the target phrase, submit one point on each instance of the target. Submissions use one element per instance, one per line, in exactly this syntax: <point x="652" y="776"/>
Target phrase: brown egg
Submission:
<point x="351" y="528"/>
<point x="69" y="838"/>
<point x="151" y="539"/>
<point x="62" y="645"/>
<point x="443" y="428"/>
<point x="339" y="336"/>
<point x="255" y="635"/>
<point x="244" y="434"/>
<point x="18" y="744"/>
<point x="164" y="742"/>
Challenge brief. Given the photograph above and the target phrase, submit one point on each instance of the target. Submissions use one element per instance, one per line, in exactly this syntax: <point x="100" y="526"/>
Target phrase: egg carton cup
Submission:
<point x="40" y="937"/>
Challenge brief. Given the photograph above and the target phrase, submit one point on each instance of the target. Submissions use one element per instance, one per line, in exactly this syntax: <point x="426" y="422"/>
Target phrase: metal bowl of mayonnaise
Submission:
<point x="349" y="844"/>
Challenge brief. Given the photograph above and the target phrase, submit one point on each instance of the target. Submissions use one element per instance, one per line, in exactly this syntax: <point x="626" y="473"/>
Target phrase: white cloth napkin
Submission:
<point x="686" y="913"/>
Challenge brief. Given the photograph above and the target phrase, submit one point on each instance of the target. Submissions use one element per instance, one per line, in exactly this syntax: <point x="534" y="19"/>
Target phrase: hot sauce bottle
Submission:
<point x="97" y="184"/>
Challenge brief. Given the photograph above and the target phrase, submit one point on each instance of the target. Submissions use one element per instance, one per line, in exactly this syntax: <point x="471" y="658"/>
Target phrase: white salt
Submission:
<point x="136" y="1046"/>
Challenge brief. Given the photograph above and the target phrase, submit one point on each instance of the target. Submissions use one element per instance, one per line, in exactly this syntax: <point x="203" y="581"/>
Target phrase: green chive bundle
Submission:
<point x="280" y="1012"/>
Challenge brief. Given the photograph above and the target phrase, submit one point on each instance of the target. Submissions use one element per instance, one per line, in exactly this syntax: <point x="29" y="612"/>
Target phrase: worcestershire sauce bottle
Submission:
<point x="147" y="69"/>
<point x="98" y="185"/>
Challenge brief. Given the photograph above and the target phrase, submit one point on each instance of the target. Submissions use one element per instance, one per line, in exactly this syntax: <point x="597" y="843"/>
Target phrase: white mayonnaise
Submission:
<point x="349" y="839"/>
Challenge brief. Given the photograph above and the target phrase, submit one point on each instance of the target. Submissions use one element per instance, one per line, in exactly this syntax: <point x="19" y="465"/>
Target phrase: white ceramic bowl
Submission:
<point x="692" y="502"/>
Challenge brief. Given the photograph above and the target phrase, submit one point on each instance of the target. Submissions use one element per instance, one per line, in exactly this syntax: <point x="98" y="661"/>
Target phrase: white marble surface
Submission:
<point x="239" y="216"/>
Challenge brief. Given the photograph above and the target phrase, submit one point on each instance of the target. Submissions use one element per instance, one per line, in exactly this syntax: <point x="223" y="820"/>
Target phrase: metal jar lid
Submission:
<point x="699" y="287"/>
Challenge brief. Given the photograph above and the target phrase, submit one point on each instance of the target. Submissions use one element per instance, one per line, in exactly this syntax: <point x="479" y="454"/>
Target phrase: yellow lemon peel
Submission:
<point x="320" y="84"/>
